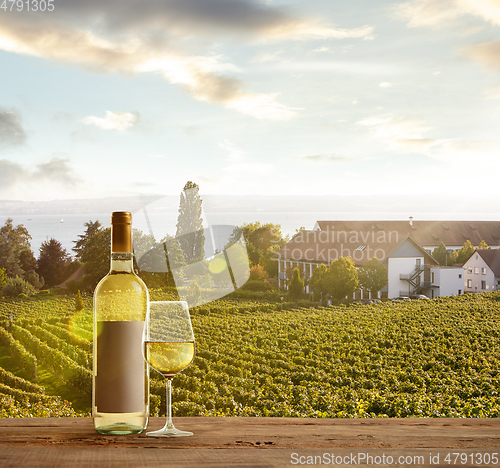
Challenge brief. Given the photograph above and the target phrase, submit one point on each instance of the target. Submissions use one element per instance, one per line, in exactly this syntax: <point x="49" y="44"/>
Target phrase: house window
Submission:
<point x="483" y="271"/>
<point x="469" y="270"/>
<point x="418" y="263"/>
<point x="459" y="292"/>
<point x="432" y="277"/>
<point x="469" y="283"/>
<point x="459" y="276"/>
<point x="476" y="270"/>
<point x="483" y="284"/>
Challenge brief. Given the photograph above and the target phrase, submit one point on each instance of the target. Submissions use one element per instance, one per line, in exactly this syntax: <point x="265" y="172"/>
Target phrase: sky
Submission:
<point x="245" y="97"/>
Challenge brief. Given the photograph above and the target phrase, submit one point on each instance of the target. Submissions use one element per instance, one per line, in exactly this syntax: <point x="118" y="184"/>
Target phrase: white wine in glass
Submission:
<point x="169" y="347"/>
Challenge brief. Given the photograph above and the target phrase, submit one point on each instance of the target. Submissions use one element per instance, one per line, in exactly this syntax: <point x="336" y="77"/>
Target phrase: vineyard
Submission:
<point x="438" y="358"/>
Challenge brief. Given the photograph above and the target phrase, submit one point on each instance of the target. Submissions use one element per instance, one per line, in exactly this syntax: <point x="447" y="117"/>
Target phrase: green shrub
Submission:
<point x="257" y="285"/>
<point x="193" y="293"/>
<point x="78" y="302"/>
<point x="44" y="292"/>
<point x="16" y="286"/>
<point x="3" y="277"/>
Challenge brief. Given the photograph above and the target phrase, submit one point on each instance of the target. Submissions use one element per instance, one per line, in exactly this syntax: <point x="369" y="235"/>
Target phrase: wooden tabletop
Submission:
<point x="249" y="442"/>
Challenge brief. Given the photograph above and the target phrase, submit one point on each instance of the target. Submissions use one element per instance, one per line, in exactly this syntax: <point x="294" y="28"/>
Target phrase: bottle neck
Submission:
<point x="122" y="261"/>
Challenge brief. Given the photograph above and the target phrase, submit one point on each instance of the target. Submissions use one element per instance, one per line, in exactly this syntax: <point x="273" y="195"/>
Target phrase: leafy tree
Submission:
<point x="193" y="294"/>
<point x="32" y="277"/>
<point x="483" y="246"/>
<point x="257" y="273"/>
<point x="16" y="286"/>
<point x="27" y="260"/>
<point x="52" y="262"/>
<point x="92" y="227"/>
<point x="316" y="282"/>
<point x="3" y="278"/>
<point x="263" y="241"/>
<point x="341" y="278"/>
<point x="96" y="257"/>
<point x="453" y="258"/>
<point x="465" y="252"/>
<point x="296" y="287"/>
<point x="372" y="276"/>
<point x="157" y="262"/>
<point x="257" y="280"/>
<point x="190" y="233"/>
<point x="444" y="256"/>
<point x="15" y="249"/>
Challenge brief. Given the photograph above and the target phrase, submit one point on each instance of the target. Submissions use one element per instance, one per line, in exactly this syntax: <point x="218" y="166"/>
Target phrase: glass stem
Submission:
<point x="170" y="424"/>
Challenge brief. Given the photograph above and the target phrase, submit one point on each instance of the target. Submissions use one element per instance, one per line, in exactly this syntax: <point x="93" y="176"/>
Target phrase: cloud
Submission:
<point x="56" y="171"/>
<point x="407" y="135"/>
<point x="199" y="77"/>
<point x="206" y="180"/>
<point x="11" y="129"/>
<point x="487" y="53"/>
<point x="439" y="14"/>
<point x="459" y="153"/>
<point x="10" y="174"/>
<point x="119" y="121"/>
<point x="158" y="36"/>
<point x="308" y="31"/>
<point x="443" y="13"/>
<point x="479" y="151"/>
<point x="318" y="158"/>
<point x="399" y="133"/>
<point x="385" y="84"/>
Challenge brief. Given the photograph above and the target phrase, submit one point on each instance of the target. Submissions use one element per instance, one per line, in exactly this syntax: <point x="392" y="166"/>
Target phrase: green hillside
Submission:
<point x="438" y="358"/>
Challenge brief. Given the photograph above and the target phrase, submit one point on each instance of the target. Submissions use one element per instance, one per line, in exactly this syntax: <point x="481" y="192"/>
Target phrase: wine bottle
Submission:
<point x="120" y="397"/>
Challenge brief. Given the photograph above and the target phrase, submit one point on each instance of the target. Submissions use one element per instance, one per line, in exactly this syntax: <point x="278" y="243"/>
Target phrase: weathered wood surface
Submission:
<point x="239" y="442"/>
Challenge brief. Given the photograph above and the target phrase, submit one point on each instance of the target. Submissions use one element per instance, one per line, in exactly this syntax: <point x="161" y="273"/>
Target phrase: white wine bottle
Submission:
<point x="120" y="396"/>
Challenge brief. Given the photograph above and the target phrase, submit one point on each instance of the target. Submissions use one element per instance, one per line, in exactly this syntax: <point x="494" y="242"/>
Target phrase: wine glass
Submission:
<point x="169" y="348"/>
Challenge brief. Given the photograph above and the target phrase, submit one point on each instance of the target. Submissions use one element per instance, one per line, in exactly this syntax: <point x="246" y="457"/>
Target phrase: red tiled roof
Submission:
<point x="426" y="233"/>
<point x="492" y="259"/>
<point x="325" y="247"/>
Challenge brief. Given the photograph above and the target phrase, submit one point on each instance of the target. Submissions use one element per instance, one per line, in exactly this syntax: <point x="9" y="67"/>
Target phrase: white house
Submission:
<point x="403" y="246"/>
<point x="482" y="271"/>
<point x="408" y="270"/>
<point x="408" y="263"/>
<point x="446" y="281"/>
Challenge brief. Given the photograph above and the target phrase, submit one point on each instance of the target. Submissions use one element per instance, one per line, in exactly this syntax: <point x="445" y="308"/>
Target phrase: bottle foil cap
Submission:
<point x="121" y="231"/>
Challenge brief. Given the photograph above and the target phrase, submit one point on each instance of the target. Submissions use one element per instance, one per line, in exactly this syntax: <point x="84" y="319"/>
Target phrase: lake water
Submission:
<point x="66" y="228"/>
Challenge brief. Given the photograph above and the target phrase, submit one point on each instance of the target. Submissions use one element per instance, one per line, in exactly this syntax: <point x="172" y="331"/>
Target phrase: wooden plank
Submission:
<point x="241" y="441"/>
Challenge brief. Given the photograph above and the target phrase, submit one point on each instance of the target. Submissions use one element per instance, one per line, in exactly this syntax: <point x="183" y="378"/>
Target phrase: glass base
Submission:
<point x="119" y="429"/>
<point x="169" y="432"/>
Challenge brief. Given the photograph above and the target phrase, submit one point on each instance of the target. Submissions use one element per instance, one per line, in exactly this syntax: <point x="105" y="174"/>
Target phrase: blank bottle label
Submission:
<point x="119" y="380"/>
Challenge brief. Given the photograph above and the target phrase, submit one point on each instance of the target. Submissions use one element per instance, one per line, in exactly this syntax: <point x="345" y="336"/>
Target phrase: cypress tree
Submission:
<point x="190" y="232"/>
